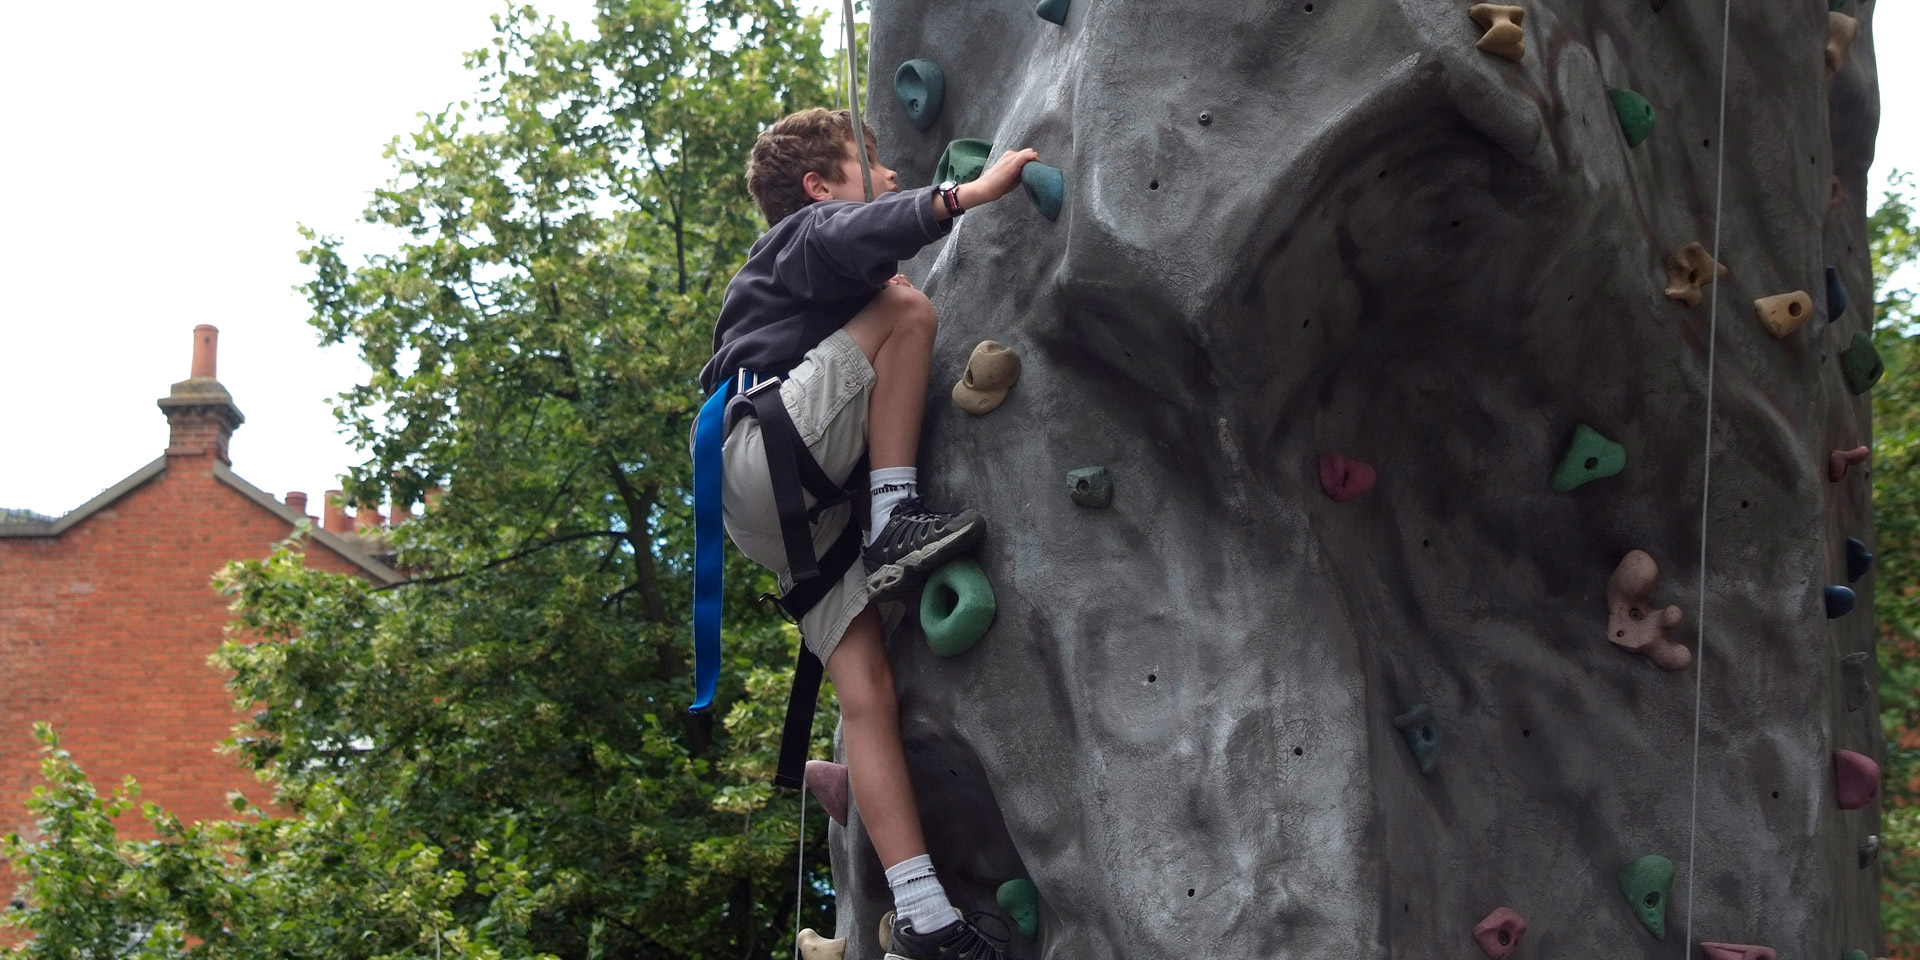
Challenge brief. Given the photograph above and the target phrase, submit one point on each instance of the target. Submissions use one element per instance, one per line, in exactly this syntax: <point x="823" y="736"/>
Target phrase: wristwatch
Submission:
<point x="950" y="195"/>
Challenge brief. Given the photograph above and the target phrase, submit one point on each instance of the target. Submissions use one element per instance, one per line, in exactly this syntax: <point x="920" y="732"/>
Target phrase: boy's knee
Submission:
<point x="911" y="310"/>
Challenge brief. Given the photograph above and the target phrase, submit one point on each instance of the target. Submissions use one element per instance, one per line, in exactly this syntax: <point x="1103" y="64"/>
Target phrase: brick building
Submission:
<point x="108" y="614"/>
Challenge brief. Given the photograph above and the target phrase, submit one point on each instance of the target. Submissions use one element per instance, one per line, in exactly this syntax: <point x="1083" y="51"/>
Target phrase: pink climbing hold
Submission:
<point x="1632" y="624"/>
<point x="1857" y="778"/>
<point x="1839" y="460"/>
<point x="1499" y="934"/>
<point x="827" y="781"/>
<point x="1344" y="478"/>
<point x="1737" y="951"/>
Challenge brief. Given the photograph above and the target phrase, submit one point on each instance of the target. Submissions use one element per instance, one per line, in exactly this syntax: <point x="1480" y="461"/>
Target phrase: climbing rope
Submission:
<point x="853" y="102"/>
<point x="1706" y="472"/>
<point x="800" y="880"/>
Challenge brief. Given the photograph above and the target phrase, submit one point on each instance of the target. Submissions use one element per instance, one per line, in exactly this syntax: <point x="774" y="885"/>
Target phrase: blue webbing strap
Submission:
<point x="709" y="538"/>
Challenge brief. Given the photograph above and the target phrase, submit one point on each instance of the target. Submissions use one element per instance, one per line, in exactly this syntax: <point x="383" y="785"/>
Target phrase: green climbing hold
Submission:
<point x="1647" y="882"/>
<point x="1423" y="735"/>
<point x="1590" y="456"/>
<point x="1836" y="6"/>
<point x="1090" y="487"/>
<point x="963" y="161"/>
<point x="1021" y="900"/>
<point x="921" y="88"/>
<point x="1046" y="187"/>
<point x="956" y="607"/>
<point x="1636" y="115"/>
<point x="1055" y="11"/>
<point x="1860" y="362"/>
<point x="1854" y="955"/>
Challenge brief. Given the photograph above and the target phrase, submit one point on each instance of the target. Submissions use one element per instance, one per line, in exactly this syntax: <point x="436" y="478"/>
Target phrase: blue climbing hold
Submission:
<point x="963" y="162"/>
<point x="1836" y="295"/>
<point x="921" y="88"/>
<point x="1859" y="560"/>
<point x="1052" y="11"/>
<point x="1839" y="602"/>
<point x="1046" y="187"/>
<point x="1423" y="735"/>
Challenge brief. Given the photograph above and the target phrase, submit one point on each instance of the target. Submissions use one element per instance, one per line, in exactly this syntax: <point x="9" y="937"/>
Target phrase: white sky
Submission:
<point x="157" y="159"/>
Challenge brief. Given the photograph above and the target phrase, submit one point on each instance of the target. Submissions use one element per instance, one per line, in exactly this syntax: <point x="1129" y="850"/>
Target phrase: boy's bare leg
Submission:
<point x="876" y="763"/>
<point x="896" y="333"/>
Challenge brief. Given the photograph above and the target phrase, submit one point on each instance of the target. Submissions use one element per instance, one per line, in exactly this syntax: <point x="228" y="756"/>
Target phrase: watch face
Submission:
<point x="948" y="185"/>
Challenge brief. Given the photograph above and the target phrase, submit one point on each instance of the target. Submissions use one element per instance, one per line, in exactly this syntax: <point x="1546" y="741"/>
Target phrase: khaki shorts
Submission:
<point x="827" y="396"/>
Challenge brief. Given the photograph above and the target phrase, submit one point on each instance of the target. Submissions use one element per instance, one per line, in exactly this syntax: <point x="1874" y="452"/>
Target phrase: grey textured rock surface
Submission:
<point x="1294" y="228"/>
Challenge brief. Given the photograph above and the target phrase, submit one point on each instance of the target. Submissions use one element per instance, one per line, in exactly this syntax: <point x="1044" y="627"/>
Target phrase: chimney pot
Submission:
<point x="298" y="501"/>
<point x="206" y="347"/>
<point x="337" y="520"/>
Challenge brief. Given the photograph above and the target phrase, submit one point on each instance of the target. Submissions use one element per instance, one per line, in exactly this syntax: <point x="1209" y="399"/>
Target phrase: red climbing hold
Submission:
<point x="1839" y="460"/>
<point x="827" y="781"/>
<point x="1499" y="934"/>
<point x="1344" y="478"/>
<point x="1737" y="951"/>
<point x="1633" y="624"/>
<point x="1857" y="777"/>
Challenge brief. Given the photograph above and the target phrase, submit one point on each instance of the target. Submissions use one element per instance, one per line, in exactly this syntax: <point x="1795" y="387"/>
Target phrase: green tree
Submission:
<point x="563" y="240"/>
<point x="1896" y="497"/>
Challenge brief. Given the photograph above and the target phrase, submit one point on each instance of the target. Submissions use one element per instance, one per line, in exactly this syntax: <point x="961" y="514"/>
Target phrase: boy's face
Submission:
<point x="849" y="187"/>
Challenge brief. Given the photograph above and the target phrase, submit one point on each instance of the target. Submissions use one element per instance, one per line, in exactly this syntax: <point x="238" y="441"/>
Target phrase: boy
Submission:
<point x="819" y="307"/>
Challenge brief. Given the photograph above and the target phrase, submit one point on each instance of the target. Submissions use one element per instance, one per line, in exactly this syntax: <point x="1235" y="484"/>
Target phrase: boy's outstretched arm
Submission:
<point x="996" y="182"/>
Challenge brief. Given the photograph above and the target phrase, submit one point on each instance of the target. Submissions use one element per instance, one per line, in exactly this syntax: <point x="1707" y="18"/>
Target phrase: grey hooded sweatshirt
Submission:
<point x="809" y="274"/>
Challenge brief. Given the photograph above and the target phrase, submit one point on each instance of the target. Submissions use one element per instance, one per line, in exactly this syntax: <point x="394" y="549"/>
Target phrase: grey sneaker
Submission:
<point x="959" y="940"/>
<point x="914" y="542"/>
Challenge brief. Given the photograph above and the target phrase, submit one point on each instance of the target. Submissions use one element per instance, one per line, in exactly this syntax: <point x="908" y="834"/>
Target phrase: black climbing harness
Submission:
<point x="795" y="473"/>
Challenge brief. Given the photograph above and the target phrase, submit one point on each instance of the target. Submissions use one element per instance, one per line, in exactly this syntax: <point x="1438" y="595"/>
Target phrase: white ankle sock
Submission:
<point x="918" y="897"/>
<point x="890" y="485"/>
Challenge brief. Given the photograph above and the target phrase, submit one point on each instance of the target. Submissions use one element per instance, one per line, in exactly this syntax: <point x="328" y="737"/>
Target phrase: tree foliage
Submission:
<point x="491" y="758"/>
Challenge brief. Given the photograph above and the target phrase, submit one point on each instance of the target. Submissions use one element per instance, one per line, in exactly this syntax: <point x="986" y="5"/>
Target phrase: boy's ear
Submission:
<point x="816" y="187"/>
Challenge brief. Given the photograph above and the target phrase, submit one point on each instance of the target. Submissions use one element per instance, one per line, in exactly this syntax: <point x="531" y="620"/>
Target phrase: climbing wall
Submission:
<point x="1395" y="353"/>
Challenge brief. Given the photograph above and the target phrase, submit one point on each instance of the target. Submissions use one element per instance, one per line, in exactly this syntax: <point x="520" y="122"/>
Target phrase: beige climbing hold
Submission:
<point x="991" y="372"/>
<point x="1783" y="313"/>
<point x="1841" y="30"/>
<point x="1503" y="37"/>
<point x="1634" y="625"/>
<point x="1839" y="460"/>
<point x="1689" y="269"/>
<point x="886" y="930"/>
<point x="816" y="947"/>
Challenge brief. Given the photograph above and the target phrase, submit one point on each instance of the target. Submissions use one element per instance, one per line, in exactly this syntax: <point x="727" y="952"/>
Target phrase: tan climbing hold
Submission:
<point x="1839" y="460"/>
<point x="816" y="947"/>
<point x="991" y="372"/>
<point x="1634" y="625"/>
<point x="1783" y="313"/>
<point x="1690" y="268"/>
<point x="1841" y="29"/>
<point x="1503" y="37"/>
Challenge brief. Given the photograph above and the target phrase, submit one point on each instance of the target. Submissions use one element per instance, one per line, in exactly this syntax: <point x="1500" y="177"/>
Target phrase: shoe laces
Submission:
<point x="974" y="943"/>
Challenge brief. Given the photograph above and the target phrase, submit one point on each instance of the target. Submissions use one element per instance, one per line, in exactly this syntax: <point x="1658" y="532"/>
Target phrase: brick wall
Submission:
<point x="105" y="632"/>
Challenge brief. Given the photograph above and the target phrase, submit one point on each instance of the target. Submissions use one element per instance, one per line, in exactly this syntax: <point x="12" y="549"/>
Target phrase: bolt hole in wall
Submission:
<point x="1707" y="144"/>
<point x="1297" y="751"/>
<point x="1309" y="8"/>
<point x="1776" y="794"/>
<point x="1152" y="677"/>
<point x="1456" y="223"/>
<point x="1426" y="543"/>
<point x="1743" y="504"/>
<point x="1526" y="733"/>
<point x="1155" y="185"/>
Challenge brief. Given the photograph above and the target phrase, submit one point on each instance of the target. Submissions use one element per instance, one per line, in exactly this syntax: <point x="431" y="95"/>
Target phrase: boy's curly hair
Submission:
<point x="811" y="141"/>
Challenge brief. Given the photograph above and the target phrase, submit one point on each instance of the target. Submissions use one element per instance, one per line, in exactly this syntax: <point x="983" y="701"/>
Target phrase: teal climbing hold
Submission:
<point x="1853" y="677"/>
<point x="956" y="607"/>
<point x="1647" y="882"/>
<point x="1635" y="113"/>
<point x="921" y="88"/>
<point x="1052" y="11"/>
<point x="1860" y="364"/>
<point x="1021" y="900"/>
<point x="1090" y="487"/>
<point x="1854" y="955"/>
<point x="1423" y="735"/>
<point x="964" y="160"/>
<point x="1836" y="6"/>
<point x="1590" y="456"/>
<point x="1046" y="187"/>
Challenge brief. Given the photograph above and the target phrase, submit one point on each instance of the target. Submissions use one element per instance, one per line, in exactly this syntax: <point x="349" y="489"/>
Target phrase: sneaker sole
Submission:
<point x="894" y="579"/>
